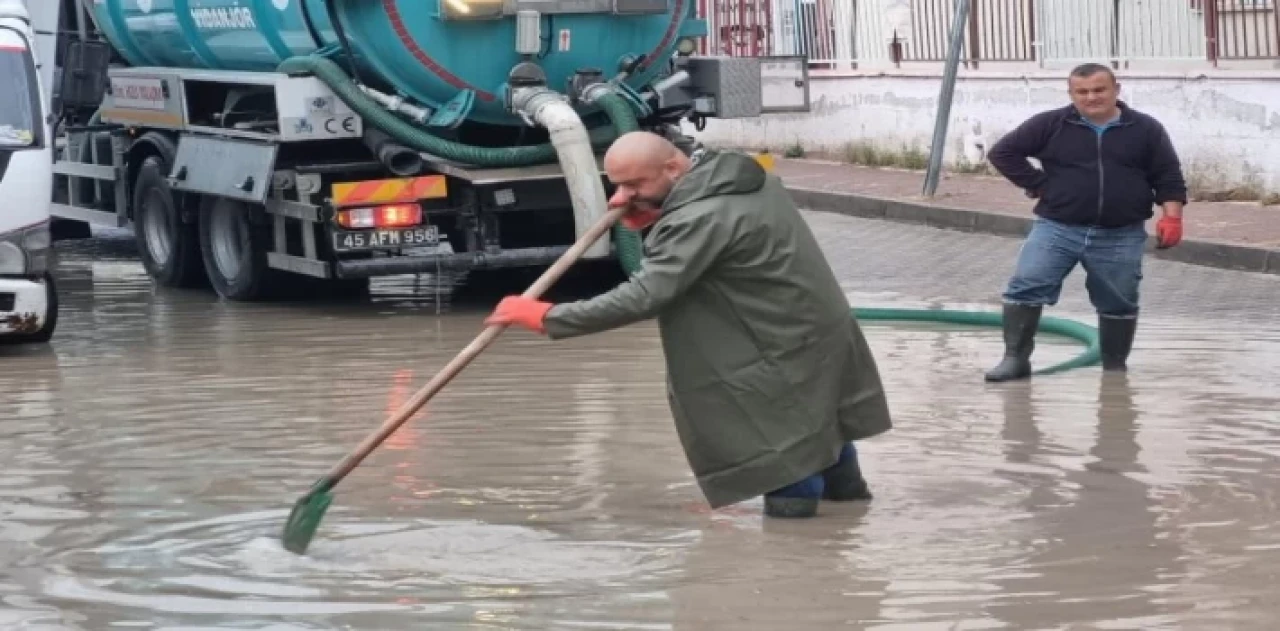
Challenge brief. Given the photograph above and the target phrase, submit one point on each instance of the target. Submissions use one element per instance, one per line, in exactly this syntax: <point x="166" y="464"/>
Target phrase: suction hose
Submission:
<point x="1068" y="328"/>
<point x="630" y="248"/>
<point x="552" y="111"/>
<point x="398" y="159"/>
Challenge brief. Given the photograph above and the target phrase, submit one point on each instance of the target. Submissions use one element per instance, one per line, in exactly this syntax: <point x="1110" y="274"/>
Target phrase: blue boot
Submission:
<point x="799" y="499"/>
<point x="843" y="481"/>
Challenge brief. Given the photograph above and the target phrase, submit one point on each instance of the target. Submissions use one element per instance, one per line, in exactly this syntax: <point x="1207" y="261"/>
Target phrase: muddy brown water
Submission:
<point x="152" y="452"/>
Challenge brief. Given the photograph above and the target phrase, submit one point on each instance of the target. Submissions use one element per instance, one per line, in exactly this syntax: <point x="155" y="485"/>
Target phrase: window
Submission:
<point x="20" y="119"/>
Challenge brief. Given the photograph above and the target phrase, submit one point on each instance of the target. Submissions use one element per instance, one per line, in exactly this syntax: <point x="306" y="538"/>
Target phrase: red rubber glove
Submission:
<point x="1168" y="232"/>
<point x="521" y="311"/>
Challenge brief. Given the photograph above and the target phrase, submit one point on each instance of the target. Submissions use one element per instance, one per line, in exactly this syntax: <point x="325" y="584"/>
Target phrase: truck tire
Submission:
<point x="234" y="247"/>
<point x="168" y="247"/>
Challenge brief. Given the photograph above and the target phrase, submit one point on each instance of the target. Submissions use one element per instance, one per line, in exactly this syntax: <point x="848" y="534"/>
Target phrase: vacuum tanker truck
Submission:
<point x="250" y="142"/>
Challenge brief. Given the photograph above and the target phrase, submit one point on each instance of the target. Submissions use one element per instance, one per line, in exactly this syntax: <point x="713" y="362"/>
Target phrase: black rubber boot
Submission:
<point x="843" y="481"/>
<point x="1115" y="337"/>
<point x="1020" y="325"/>
<point x="798" y="500"/>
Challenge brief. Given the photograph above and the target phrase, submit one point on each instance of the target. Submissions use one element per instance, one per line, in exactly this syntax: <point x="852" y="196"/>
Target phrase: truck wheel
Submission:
<point x="169" y="248"/>
<point x="235" y="248"/>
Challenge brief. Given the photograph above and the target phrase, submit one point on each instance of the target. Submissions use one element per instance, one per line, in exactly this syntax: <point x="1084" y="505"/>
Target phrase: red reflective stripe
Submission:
<point x="397" y="23"/>
<point x="669" y="35"/>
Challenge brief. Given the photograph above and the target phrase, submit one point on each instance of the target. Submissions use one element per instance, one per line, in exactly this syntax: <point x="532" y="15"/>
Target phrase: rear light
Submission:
<point x="387" y="216"/>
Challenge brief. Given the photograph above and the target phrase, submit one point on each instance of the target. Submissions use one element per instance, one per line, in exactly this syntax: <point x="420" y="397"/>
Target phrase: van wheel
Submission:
<point x="234" y="248"/>
<point x="169" y="248"/>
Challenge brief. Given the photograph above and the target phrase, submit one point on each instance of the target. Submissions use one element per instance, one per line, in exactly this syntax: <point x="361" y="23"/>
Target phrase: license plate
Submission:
<point x="351" y="240"/>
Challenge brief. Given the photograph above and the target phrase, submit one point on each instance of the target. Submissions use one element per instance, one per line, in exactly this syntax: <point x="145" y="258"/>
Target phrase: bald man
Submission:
<point x="769" y="377"/>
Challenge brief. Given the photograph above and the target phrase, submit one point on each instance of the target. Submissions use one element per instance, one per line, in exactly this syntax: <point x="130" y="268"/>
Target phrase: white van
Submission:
<point x="28" y="296"/>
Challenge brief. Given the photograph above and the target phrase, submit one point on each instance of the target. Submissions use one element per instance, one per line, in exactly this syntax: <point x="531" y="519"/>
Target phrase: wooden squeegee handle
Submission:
<point x="463" y="358"/>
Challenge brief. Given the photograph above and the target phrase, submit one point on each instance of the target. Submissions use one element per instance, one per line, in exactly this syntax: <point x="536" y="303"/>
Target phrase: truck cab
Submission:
<point x="28" y="297"/>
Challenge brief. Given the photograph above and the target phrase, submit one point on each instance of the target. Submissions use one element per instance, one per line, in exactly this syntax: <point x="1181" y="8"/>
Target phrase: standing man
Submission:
<point x="769" y="378"/>
<point x="1103" y="166"/>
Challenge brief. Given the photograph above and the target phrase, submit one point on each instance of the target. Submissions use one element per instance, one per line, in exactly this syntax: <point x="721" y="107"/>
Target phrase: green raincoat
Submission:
<point x="768" y="374"/>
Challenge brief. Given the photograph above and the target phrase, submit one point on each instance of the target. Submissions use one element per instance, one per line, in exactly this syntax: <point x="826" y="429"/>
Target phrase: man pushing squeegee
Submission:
<point x="770" y="379"/>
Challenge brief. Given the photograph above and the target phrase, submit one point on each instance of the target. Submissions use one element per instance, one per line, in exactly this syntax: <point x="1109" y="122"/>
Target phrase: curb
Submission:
<point x="1228" y="256"/>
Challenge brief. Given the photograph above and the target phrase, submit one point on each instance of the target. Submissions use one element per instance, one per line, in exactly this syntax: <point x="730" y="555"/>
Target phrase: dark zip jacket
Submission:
<point x="1110" y="178"/>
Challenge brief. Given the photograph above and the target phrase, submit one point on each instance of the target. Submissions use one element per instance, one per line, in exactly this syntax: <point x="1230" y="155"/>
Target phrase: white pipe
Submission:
<point x="577" y="159"/>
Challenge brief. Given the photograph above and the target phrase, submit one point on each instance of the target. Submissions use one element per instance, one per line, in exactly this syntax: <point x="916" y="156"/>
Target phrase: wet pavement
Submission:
<point x="155" y="448"/>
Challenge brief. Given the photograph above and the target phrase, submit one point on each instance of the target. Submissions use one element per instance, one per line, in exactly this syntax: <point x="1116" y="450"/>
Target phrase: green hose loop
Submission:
<point x="1068" y="328"/>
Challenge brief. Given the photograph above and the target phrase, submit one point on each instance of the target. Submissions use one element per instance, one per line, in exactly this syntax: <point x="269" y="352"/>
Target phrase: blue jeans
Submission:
<point x="1111" y="257"/>
<point x="812" y="486"/>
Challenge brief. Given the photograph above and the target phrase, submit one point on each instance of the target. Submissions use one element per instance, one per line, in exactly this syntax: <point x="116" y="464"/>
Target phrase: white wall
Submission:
<point x="1227" y="129"/>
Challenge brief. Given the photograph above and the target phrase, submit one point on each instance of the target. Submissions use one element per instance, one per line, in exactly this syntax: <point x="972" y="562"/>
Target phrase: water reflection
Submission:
<point x="1099" y="555"/>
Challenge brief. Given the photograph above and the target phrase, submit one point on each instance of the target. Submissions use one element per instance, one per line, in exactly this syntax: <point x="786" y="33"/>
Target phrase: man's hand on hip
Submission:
<point x="521" y="311"/>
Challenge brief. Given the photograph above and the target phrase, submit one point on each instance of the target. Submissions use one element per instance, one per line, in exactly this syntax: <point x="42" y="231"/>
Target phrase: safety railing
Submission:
<point x="997" y="30"/>
<point x="842" y="34"/>
<point x="1241" y="29"/>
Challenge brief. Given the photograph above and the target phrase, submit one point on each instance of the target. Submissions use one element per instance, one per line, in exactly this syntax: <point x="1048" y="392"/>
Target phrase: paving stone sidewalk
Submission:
<point x="1231" y="235"/>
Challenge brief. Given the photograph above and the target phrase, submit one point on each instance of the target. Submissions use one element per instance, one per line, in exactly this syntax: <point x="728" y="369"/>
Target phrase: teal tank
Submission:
<point x="411" y="47"/>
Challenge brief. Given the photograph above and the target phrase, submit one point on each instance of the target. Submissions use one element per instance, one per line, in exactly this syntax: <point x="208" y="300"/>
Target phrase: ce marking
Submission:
<point x="347" y="124"/>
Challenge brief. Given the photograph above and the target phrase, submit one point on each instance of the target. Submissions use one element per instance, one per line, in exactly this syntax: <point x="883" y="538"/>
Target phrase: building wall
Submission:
<point x="1226" y="128"/>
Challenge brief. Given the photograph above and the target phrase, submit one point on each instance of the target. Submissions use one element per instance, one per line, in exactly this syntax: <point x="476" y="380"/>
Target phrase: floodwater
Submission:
<point x="154" y="450"/>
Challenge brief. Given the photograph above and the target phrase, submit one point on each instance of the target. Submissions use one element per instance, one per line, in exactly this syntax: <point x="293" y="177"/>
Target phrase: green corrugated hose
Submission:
<point x="628" y="242"/>
<point x="1084" y="333"/>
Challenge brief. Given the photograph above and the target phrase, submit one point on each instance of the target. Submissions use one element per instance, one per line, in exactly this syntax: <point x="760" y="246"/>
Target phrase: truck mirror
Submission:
<point x="84" y="75"/>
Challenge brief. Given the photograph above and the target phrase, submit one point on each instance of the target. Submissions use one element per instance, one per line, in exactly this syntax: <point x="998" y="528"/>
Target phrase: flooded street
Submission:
<point x="154" y="449"/>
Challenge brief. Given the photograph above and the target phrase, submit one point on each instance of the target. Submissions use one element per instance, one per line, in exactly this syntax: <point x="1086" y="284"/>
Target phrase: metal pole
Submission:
<point x="81" y="20"/>
<point x="945" y="97"/>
